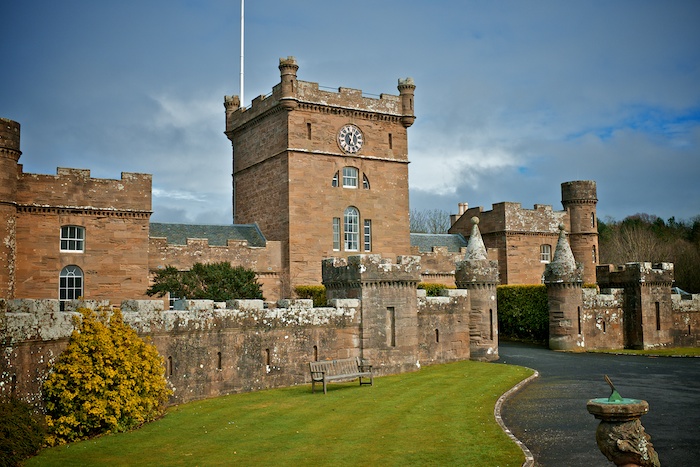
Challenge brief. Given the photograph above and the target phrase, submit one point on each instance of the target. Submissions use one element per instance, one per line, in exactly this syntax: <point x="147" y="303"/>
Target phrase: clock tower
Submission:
<point x="323" y="172"/>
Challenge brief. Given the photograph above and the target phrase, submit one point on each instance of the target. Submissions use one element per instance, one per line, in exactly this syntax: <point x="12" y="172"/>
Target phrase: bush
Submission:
<point x="434" y="290"/>
<point x="315" y="292"/>
<point x="215" y="281"/>
<point x="523" y="312"/>
<point x="22" y="431"/>
<point x="107" y="380"/>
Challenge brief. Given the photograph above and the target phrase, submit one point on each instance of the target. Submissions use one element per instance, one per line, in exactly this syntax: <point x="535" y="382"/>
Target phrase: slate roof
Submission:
<point x="218" y="235"/>
<point x="426" y="242"/>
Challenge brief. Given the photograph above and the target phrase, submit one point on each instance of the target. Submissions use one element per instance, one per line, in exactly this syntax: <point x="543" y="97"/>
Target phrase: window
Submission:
<point x="72" y="238"/>
<point x="368" y="235"/>
<point x="336" y="233"/>
<point x="350" y="177"/>
<point x="391" y="324"/>
<point x="352" y="229"/>
<point x="593" y="220"/>
<point x="594" y="254"/>
<point x="334" y="183"/>
<point x="365" y="182"/>
<point x="545" y="253"/>
<point x="70" y="285"/>
<point x="391" y="142"/>
<point x="308" y="131"/>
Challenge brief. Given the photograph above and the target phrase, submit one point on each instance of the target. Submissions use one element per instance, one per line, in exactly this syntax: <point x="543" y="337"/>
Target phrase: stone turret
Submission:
<point x="406" y="90"/>
<point x="564" y="279"/>
<point x="387" y="291"/>
<point x="479" y="276"/>
<point x="288" y="82"/>
<point x="579" y="199"/>
<point x="9" y="173"/>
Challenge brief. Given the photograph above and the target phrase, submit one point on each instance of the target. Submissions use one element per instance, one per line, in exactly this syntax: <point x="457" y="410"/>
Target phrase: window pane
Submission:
<point x="336" y="233"/>
<point x="368" y="235"/>
<point x="70" y="283"/>
<point x="350" y="177"/>
<point x="352" y="229"/>
<point x="72" y="238"/>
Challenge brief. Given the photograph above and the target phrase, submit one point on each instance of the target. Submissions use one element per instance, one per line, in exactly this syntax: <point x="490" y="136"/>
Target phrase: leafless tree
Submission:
<point x="433" y="221"/>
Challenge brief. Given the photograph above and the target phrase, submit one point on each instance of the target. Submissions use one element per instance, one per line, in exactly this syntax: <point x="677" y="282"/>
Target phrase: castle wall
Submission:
<point x="443" y="327"/>
<point x="438" y="265"/>
<point x="266" y="262"/>
<point x="685" y="315"/>
<point x="114" y="214"/>
<point x="602" y="319"/>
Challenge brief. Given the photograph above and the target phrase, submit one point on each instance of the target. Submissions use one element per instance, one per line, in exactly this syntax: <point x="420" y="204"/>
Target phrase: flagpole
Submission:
<point x="242" y="39"/>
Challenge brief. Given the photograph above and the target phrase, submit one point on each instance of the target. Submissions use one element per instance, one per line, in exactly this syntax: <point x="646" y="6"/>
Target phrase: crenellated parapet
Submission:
<point x="75" y="191"/>
<point x="644" y="273"/>
<point x="360" y="270"/>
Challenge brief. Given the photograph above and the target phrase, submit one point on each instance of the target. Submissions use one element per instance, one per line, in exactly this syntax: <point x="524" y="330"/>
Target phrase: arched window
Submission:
<point x="70" y="285"/>
<point x="72" y="238"/>
<point x="365" y="182"/>
<point x="334" y="182"/>
<point x="352" y="229"/>
<point x="545" y="253"/>
<point x="350" y="175"/>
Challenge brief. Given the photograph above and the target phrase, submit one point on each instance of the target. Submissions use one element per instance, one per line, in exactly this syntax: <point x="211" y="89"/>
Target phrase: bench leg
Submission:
<point x="324" y="385"/>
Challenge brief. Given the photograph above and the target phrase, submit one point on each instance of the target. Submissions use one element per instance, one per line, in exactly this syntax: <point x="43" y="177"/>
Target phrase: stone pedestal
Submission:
<point x="620" y="435"/>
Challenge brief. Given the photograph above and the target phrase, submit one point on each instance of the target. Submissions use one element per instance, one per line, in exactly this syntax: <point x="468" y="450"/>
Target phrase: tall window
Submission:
<point x="350" y="177"/>
<point x="70" y="285"/>
<point x="593" y="220"/>
<point x="365" y="182"/>
<point x="368" y="235"/>
<point x="336" y="233"/>
<point x="545" y="253"/>
<point x="594" y="253"/>
<point x="334" y="183"/>
<point x="72" y="238"/>
<point x="352" y="229"/>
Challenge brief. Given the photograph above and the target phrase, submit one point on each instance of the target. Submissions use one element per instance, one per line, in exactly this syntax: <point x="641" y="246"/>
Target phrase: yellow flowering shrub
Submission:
<point x="107" y="380"/>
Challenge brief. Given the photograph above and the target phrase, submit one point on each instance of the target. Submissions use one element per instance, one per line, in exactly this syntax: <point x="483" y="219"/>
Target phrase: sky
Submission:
<point x="512" y="97"/>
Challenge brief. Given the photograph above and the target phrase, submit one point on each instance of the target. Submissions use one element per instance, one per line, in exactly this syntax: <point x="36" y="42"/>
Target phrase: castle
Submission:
<point x="320" y="195"/>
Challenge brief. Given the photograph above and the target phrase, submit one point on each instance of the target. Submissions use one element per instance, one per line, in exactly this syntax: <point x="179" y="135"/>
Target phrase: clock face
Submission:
<point x="350" y="139"/>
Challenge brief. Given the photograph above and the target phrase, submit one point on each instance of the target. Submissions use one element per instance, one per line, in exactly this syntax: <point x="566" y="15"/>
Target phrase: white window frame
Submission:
<point x="545" y="253"/>
<point x="70" y="283"/>
<point x="350" y="176"/>
<point x="336" y="234"/>
<point x="351" y="229"/>
<point x="72" y="239"/>
<point x="334" y="182"/>
<point x="367" y="234"/>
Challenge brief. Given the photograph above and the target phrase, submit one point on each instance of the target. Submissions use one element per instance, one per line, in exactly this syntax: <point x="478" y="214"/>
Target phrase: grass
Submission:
<point x="660" y="352"/>
<point x="440" y="415"/>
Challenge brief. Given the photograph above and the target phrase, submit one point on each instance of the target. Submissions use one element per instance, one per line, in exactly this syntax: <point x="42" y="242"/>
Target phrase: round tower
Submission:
<point x="479" y="275"/>
<point x="9" y="173"/>
<point x="579" y="199"/>
<point x="407" y="89"/>
<point x="288" y="82"/>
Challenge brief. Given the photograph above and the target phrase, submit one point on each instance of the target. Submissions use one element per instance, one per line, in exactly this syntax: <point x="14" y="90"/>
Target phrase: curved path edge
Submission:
<point x="529" y="458"/>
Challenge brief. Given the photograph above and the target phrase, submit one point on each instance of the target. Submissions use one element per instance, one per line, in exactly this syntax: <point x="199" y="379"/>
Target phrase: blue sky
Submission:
<point x="512" y="97"/>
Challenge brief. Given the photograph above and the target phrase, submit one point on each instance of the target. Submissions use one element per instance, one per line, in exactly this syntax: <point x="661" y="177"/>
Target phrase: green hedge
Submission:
<point x="22" y="430"/>
<point x="432" y="289"/>
<point x="523" y="312"/>
<point x="315" y="292"/>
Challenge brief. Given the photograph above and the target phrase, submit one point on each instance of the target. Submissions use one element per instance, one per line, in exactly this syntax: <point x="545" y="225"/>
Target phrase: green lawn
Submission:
<point x="440" y="415"/>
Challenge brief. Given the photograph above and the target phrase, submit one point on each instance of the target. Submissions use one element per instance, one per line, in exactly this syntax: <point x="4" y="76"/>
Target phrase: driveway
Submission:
<point x="549" y="415"/>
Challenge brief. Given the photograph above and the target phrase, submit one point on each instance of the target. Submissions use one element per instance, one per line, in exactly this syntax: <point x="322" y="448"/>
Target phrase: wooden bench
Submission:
<point x="334" y="370"/>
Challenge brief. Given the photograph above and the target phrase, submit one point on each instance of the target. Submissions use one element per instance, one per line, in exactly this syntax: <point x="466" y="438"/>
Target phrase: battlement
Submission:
<point x="76" y="189"/>
<point x="609" y="275"/>
<point x="291" y="94"/>
<point x="512" y="217"/>
<point x="370" y="268"/>
<point x="29" y="319"/>
<point x="580" y="191"/>
<point x="9" y="135"/>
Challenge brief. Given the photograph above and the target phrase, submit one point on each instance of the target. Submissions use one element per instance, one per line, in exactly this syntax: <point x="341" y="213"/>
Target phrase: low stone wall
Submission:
<point x="212" y="348"/>
<point x="685" y="315"/>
